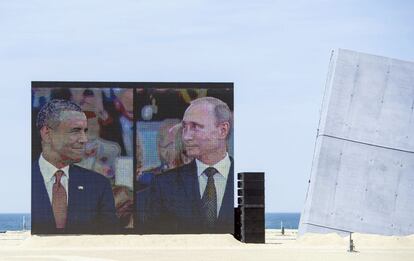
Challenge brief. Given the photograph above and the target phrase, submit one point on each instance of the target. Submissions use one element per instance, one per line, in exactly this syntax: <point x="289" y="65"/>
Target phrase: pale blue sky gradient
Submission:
<point x="275" y="52"/>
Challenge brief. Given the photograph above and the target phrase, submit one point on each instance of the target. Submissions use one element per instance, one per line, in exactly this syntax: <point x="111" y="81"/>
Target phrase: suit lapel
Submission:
<point x="42" y="213"/>
<point x="227" y="206"/>
<point x="191" y="186"/>
<point x="75" y="195"/>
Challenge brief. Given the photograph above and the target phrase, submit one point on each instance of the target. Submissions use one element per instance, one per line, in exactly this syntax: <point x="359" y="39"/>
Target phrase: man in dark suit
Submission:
<point x="197" y="197"/>
<point x="67" y="198"/>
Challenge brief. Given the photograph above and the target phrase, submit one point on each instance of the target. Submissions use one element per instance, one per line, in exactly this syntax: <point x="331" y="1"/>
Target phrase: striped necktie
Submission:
<point x="59" y="201"/>
<point x="209" y="199"/>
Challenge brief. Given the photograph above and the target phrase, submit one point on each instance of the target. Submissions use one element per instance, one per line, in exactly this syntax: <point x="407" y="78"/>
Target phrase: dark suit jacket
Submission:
<point x="91" y="210"/>
<point x="175" y="203"/>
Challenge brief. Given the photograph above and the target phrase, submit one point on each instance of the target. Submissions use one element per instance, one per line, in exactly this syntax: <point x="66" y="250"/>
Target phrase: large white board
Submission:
<point x="362" y="177"/>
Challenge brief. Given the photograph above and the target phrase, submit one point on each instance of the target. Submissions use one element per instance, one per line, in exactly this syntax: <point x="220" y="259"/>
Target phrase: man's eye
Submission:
<point x="78" y="130"/>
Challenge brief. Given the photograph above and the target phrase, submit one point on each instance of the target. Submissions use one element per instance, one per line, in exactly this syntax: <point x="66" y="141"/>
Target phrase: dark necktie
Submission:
<point x="59" y="201"/>
<point x="209" y="199"/>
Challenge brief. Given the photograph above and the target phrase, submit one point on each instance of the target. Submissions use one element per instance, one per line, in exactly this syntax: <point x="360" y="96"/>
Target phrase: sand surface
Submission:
<point x="23" y="246"/>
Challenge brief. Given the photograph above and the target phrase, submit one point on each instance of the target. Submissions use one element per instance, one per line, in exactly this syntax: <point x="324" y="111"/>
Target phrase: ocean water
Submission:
<point x="10" y="222"/>
<point x="273" y="220"/>
<point x="288" y="220"/>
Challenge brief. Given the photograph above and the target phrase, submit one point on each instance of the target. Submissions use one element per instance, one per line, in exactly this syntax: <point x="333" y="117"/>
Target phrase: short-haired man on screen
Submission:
<point x="198" y="197"/>
<point x="67" y="198"/>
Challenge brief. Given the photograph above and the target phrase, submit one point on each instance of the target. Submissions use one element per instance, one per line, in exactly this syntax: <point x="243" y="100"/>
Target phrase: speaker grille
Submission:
<point x="250" y="215"/>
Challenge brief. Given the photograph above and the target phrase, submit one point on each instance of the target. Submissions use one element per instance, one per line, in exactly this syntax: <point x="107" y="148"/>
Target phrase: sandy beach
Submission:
<point x="23" y="246"/>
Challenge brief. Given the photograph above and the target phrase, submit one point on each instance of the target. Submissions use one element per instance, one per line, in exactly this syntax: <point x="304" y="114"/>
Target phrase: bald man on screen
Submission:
<point x="197" y="197"/>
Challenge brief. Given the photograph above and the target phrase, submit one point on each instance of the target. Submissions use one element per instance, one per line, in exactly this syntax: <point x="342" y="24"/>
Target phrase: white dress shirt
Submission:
<point x="220" y="178"/>
<point x="48" y="172"/>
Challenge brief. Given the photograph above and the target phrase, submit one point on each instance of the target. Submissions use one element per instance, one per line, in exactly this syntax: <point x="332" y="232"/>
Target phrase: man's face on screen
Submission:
<point x="200" y="131"/>
<point x="166" y="144"/>
<point x="67" y="141"/>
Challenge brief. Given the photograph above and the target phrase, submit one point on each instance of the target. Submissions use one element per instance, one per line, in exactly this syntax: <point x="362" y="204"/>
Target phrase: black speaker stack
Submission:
<point x="250" y="215"/>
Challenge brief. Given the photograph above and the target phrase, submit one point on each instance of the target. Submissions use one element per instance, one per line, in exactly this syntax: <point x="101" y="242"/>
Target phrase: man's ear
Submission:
<point x="224" y="129"/>
<point x="45" y="134"/>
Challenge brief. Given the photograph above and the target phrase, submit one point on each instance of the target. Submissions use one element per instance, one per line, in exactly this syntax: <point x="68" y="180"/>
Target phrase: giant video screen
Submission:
<point x="132" y="158"/>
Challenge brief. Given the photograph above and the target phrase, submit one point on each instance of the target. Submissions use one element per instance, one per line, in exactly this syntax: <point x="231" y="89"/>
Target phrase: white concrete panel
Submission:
<point x="370" y="100"/>
<point x="362" y="178"/>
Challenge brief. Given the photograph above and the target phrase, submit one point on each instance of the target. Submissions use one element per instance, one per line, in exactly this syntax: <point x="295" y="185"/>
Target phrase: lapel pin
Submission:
<point x="80" y="187"/>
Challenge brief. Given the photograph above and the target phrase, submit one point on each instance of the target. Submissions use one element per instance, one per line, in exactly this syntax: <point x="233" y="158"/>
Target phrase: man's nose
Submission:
<point x="187" y="134"/>
<point x="83" y="137"/>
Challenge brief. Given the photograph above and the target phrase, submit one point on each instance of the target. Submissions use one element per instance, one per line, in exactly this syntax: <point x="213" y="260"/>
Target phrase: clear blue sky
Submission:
<point x="276" y="53"/>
